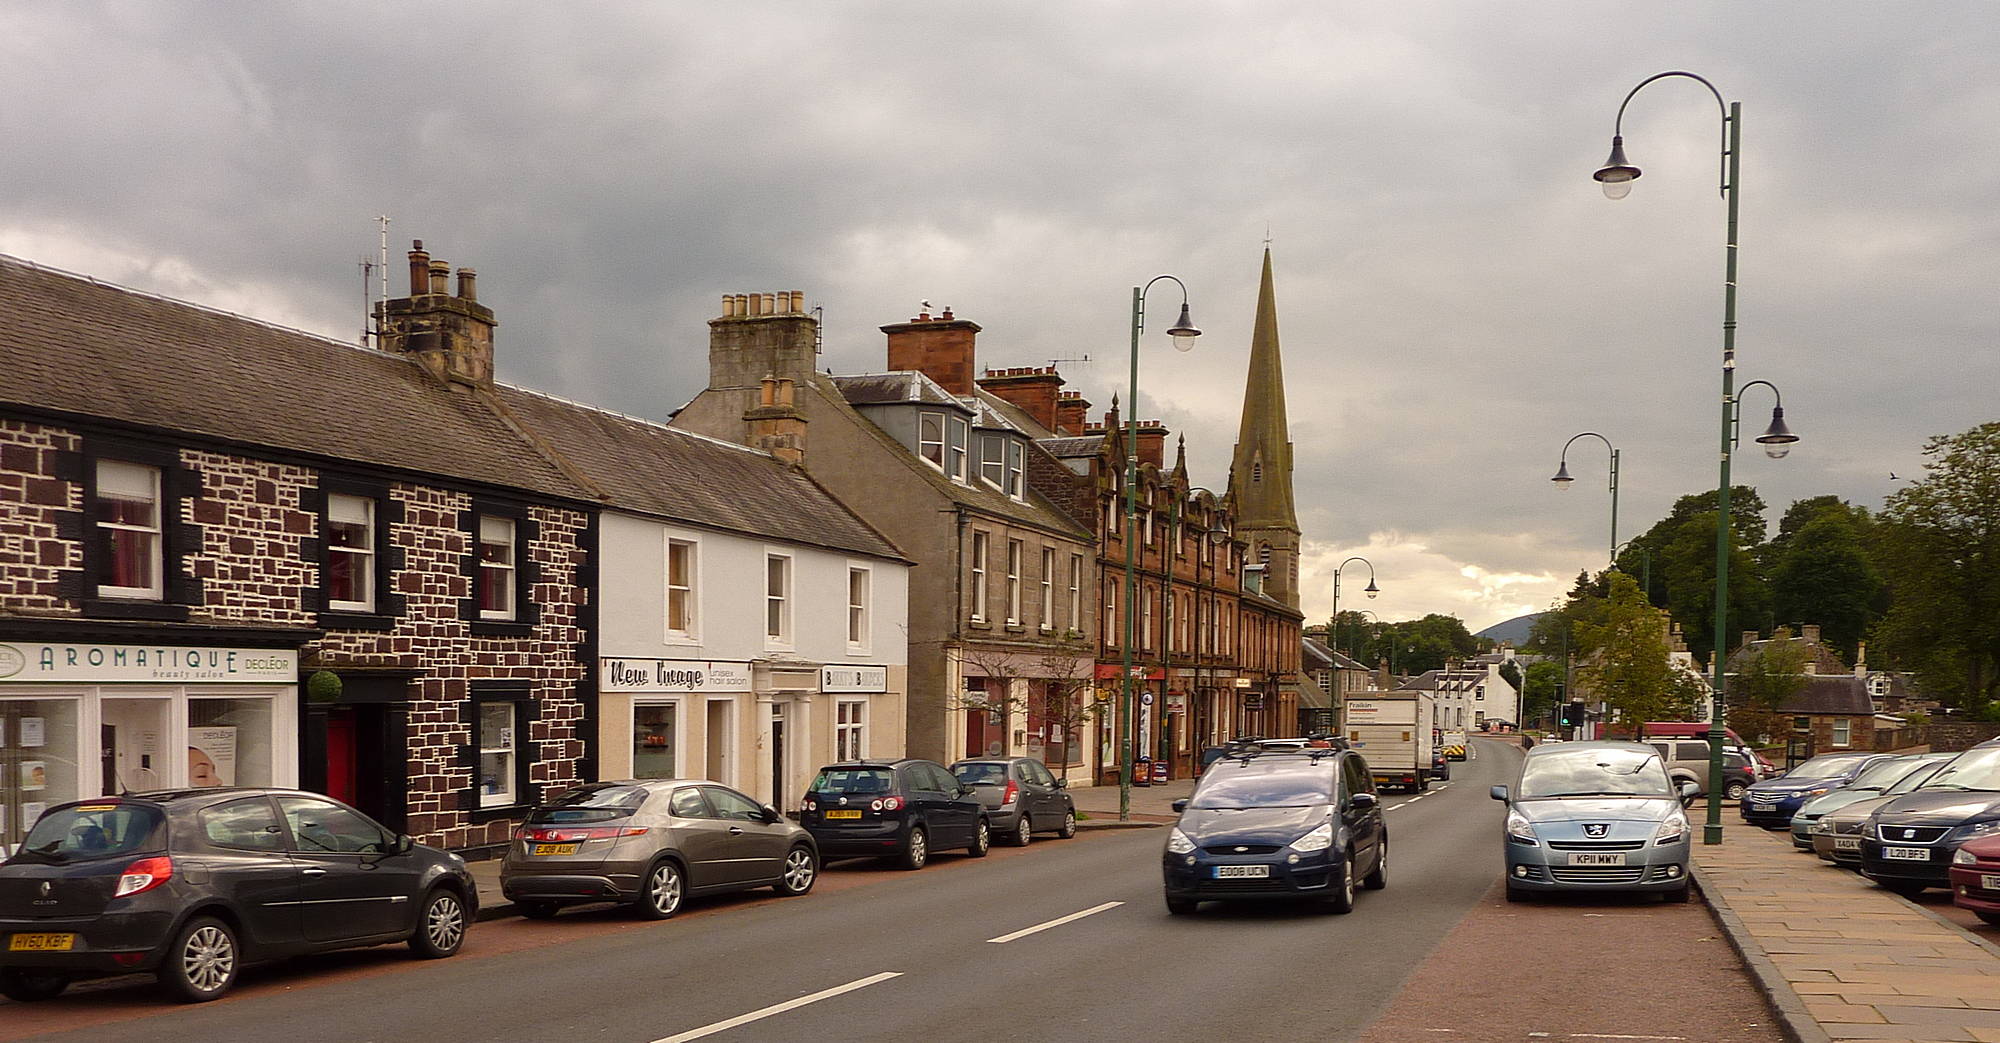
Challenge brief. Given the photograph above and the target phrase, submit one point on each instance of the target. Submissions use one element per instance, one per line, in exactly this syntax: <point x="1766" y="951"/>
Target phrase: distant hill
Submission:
<point x="1513" y="631"/>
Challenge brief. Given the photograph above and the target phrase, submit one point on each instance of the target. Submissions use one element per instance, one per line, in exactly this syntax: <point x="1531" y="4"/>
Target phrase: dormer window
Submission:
<point x="958" y="430"/>
<point x="930" y="438"/>
<point x="1016" y="454"/>
<point x="992" y="460"/>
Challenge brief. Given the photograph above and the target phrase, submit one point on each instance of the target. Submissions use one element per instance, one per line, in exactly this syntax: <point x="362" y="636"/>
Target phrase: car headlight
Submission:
<point x="1519" y="829"/>
<point x="1975" y="829"/>
<point x="1178" y="842"/>
<point x="1962" y="857"/>
<point x="1822" y="826"/>
<point x="1319" y="839"/>
<point x="1819" y="792"/>
<point x="1671" y="830"/>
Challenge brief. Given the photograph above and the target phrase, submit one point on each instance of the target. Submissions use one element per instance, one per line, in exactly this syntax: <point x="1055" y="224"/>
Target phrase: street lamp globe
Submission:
<point x="1777" y="439"/>
<point x="1617" y="175"/>
<point x="1562" y="478"/>
<point x="1371" y="589"/>
<point x="1183" y="331"/>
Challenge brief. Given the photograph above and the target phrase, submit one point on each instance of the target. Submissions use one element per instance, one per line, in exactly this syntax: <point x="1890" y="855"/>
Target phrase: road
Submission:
<point x="1063" y="940"/>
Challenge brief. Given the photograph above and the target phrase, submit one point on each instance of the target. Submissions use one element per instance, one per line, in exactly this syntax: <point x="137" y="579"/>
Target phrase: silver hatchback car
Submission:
<point x="1596" y="816"/>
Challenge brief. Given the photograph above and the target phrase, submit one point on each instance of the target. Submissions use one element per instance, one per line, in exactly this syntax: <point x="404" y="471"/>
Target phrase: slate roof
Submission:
<point x="869" y="389"/>
<point x="1325" y="658"/>
<point x="1831" y="694"/>
<point x="78" y="346"/>
<point x="1070" y="446"/>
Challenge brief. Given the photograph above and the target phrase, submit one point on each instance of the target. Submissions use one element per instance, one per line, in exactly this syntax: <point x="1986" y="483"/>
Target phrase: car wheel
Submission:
<point x="1068" y="830"/>
<point x="801" y="869"/>
<point x="1678" y="895"/>
<point x="1906" y="888"/>
<point x="536" y="910"/>
<point x="1181" y="906"/>
<point x="663" y="892"/>
<point x="31" y="986"/>
<point x="916" y="850"/>
<point x="440" y="926"/>
<point x="982" y="840"/>
<point x="1379" y="878"/>
<point x="1734" y="791"/>
<point x="1024" y="832"/>
<point x="1342" y="900"/>
<point x="202" y="962"/>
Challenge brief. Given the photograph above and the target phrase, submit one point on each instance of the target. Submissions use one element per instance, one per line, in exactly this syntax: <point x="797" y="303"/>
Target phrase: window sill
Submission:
<point x="1016" y="628"/>
<point x="978" y="624"/>
<point x="497" y="812"/>
<point x="117" y="608"/>
<point x="341" y="619"/>
<point x="497" y="628"/>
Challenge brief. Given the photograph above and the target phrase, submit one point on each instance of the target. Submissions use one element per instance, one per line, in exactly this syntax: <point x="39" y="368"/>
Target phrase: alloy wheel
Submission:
<point x="799" y="871"/>
<point x="1025" y="832"/>
<point x="663" y="890"/>
<point x="208" y="960"/>
<point x="444" y="923"/>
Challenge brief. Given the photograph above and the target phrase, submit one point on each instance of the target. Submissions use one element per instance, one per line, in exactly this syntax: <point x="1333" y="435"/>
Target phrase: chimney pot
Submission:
<point x="420" y="268"/>
<point x="467" y="284"/>
<point x="440" y="278"/>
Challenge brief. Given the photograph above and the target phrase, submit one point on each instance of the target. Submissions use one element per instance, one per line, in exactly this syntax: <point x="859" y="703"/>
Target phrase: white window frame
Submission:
<point x="509" y="571"/>
<point x="691" y="590"/>
<point x="506" y="797"/>
<point x="850" y="737"/>
<point x="1843" y="732"/>
<point x="1112" y="637"/>
<point x="1145" y="619"/>
<point x="782" y="600"/>
<point x="156" y="590"/>
<point x="993" y="460"/>
<point x="957" y="447"/>
<point x="1016" y="551"/>
<point x="1048" y="606"/>
<point x="1016" y="464"/>
<point x="978" y="554"/>
<point x="859" y="617"/>
<point x="923" y="443"/>
<point x="362" y="559"/>
<point x="1076" y="592"/>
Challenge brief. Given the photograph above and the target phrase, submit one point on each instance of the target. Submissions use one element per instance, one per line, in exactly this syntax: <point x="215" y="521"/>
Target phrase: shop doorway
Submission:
<point x="778" y="760"/>
<point x="721" y="741"/>
<point x="133" y="740"/>
<point x="357" y="753"/>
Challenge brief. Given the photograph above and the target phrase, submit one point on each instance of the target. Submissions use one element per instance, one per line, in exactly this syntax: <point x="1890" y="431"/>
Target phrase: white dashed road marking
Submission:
<point x="1057" y="922"/>
<point x="779" y="1008"/>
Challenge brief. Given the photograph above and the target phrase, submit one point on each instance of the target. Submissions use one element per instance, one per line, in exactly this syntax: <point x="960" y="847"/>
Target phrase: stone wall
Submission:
<point x="41" y="520"/>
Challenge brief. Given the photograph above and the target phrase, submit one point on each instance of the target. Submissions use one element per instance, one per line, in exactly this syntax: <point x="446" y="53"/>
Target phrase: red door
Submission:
<point x="340" y="778"/>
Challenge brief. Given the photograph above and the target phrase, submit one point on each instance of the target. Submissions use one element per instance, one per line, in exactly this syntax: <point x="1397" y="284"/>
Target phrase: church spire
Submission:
<point x="1260" y="475"/>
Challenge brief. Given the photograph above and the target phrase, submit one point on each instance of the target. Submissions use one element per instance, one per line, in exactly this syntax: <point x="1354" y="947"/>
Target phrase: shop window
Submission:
<point x="499" y="753"/>
<point x="655" y="740"/>
<point x="498" y="559"/>
<point x="229" y="742"/>
<point x="683" y="615"/>
<point x="130" y="528"/>
<point x="778" y="598"/>
<point x="40" y="747"/>
<point x="350" y="553"/>
<point x="857" y="608"/>
<point x="850" y="735"/>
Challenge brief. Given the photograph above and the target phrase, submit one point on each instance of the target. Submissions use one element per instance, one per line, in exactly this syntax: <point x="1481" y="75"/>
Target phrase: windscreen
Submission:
<point x="1973" y="770"/>
<point x="973" y="774"/>
<point x="1266" y="786"/>
<point x="1925" y="772"/>
<point x="1882" y="774"/>
<point x="591" y="804"/>
<point x="87" y="831"/>
<point x="1595" y="773"/>
<point x="1827" y="767"/>
<point x="854" y="780"/>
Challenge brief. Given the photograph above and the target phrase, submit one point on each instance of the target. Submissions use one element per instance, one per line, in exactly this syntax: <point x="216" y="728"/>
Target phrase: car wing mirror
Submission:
<point x="1498" y="793"/>
<point x="1688" y="791"/>
<point x="403" y="844"/>
<point x="1180" y="805"/>
<point x="771" y="814"/>
<point x="1363" y="801"/>
<point x="1062" y="783"/>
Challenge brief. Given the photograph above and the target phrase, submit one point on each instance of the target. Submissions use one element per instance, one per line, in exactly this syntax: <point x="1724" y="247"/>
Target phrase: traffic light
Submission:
<point x="1572" y="715"/>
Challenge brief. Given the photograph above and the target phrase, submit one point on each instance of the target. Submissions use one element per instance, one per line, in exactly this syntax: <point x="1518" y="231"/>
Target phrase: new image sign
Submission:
<point x="673" y="675"/>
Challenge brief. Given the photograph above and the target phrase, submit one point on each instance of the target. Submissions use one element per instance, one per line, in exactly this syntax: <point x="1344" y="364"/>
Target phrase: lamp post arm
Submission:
<point x="1729" y="113"/>
<point x="1736" y="403"/>
<point x="1563" y="469"/>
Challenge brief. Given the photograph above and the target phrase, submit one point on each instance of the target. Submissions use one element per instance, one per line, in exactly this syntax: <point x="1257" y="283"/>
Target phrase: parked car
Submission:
<point x="1771" y="803"/>
<point x="1022" y="797"/>
<point x="1303" y="825"/>
<point x="1596" y="816"/>
<point x="652" y="844"/>
<point x="1871" y="783"/>
<point x="1975" y="878"/>
<point x="1836" y="837"/>
<point x="902" y="809"/>
<point x="191" y="885"/>
<point x="1687" y="760"/>
<point x="1908" y="843"/>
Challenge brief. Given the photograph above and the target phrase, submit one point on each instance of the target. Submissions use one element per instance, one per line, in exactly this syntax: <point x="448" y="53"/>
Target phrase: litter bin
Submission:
<point x="1142" y="773"/>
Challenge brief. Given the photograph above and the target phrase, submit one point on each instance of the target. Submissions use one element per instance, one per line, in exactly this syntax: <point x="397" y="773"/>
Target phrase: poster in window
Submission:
<point x="33" y="733"/>
<point x="212" y="756"/>
<point x="30" y="813"/>
<point x="34" y="775"/>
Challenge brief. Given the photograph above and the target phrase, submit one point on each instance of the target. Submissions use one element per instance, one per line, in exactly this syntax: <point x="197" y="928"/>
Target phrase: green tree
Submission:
<point x="1541" y="690"/>
<point x="1938" y="548"/>
<point x="1766" y="679"/>
<point x="1681" y="551"/>
<point x="1821" y="572"/>
<point x="1628" y="662"/>
<point x="1423" y="644"/>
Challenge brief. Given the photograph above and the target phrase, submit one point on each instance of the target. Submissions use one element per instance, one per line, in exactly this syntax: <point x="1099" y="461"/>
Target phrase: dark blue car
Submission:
<point x="1773" y="802"/>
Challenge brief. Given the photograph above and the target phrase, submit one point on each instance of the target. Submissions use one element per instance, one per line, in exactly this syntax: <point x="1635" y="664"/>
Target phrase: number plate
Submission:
<point x="1597" y="858"/>
<point x="1241" y="872"/>
<point x="555" y="849"/>
<point x="42" y="943"/>
<point x="1847" y="843"/>
<point x="1907" y="854"/>
<point x="1989" y="881"/>
<point x="843" y="814"/>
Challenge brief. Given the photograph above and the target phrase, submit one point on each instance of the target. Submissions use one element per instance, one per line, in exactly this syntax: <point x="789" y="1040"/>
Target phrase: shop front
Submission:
<point x="83" y="719"/>
<point x="674" y="718"/>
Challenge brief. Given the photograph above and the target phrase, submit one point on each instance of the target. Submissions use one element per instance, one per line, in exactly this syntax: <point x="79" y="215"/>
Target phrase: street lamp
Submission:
<point x="1371" y="590"/>
<point x="1183" y="332"/>
<point x="1563" y="480"/>
<point x="1617" y="176"/>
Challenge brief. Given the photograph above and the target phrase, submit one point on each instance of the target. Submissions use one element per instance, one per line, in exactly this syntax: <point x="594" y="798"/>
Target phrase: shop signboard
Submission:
<point x="673" y="675"/>
<point x="62" y="661"/>
<point x="854" y="679"/>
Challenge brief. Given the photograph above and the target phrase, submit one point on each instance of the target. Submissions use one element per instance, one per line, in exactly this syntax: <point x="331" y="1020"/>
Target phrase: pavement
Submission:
<point x="1096" y="806"/>
<point x="1841" y="959"/>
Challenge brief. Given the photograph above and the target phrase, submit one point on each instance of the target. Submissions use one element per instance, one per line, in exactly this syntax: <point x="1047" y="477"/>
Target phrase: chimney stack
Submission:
<point x="1152" y="443"/>
<point x="451" y="337"/>
<point x="761" y="335"/>
<point x="1748" y="636"/>
<point x="1072" y="413"/>
<point x="940" y="348"/>
<point x="1810" y="631"/>
<point x="1033" y="390"/>
<point x="776" y="424"/>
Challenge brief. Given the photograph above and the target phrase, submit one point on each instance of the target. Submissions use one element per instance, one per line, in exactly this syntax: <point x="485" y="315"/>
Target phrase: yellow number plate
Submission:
<point x="843" y="814"/>
<point x="42" y="943"/>
<point x="555" y="849"/>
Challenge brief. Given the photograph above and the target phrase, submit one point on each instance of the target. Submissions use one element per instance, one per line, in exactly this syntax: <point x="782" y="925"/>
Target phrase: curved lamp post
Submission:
<point x="1183" y="332"/>
<point x="1563" y="480"/>
<point x="1371" y="589"/>
<point x="1617" y="176"/>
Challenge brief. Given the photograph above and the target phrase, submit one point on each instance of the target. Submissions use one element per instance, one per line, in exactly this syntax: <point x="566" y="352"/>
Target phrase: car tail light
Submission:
<point x="144" y="875"/>
<point x="886" y="804"/>
<point x="560" y="835"/>
<point x="809" y="804"/>
<point x="1013" y="790"/>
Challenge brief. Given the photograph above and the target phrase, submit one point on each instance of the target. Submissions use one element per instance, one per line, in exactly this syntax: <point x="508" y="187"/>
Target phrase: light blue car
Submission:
<point x="1596" y="816"/>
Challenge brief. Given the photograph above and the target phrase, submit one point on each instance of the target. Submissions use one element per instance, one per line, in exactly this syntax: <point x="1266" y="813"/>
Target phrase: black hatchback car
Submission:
<point x="190" y="885"/>
<point x="902" y="809"/>
<point x="1303" y="824"/>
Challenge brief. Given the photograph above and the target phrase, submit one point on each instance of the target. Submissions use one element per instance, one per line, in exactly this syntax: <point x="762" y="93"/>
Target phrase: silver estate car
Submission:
<point x="1596" y="816"/>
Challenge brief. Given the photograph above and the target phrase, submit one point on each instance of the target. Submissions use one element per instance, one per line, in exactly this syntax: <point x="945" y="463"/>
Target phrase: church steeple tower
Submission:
<point x="1260" y="475"/>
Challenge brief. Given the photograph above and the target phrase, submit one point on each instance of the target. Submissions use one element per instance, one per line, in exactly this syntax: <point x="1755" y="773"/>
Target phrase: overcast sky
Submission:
<point x="1456" y="297"/>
